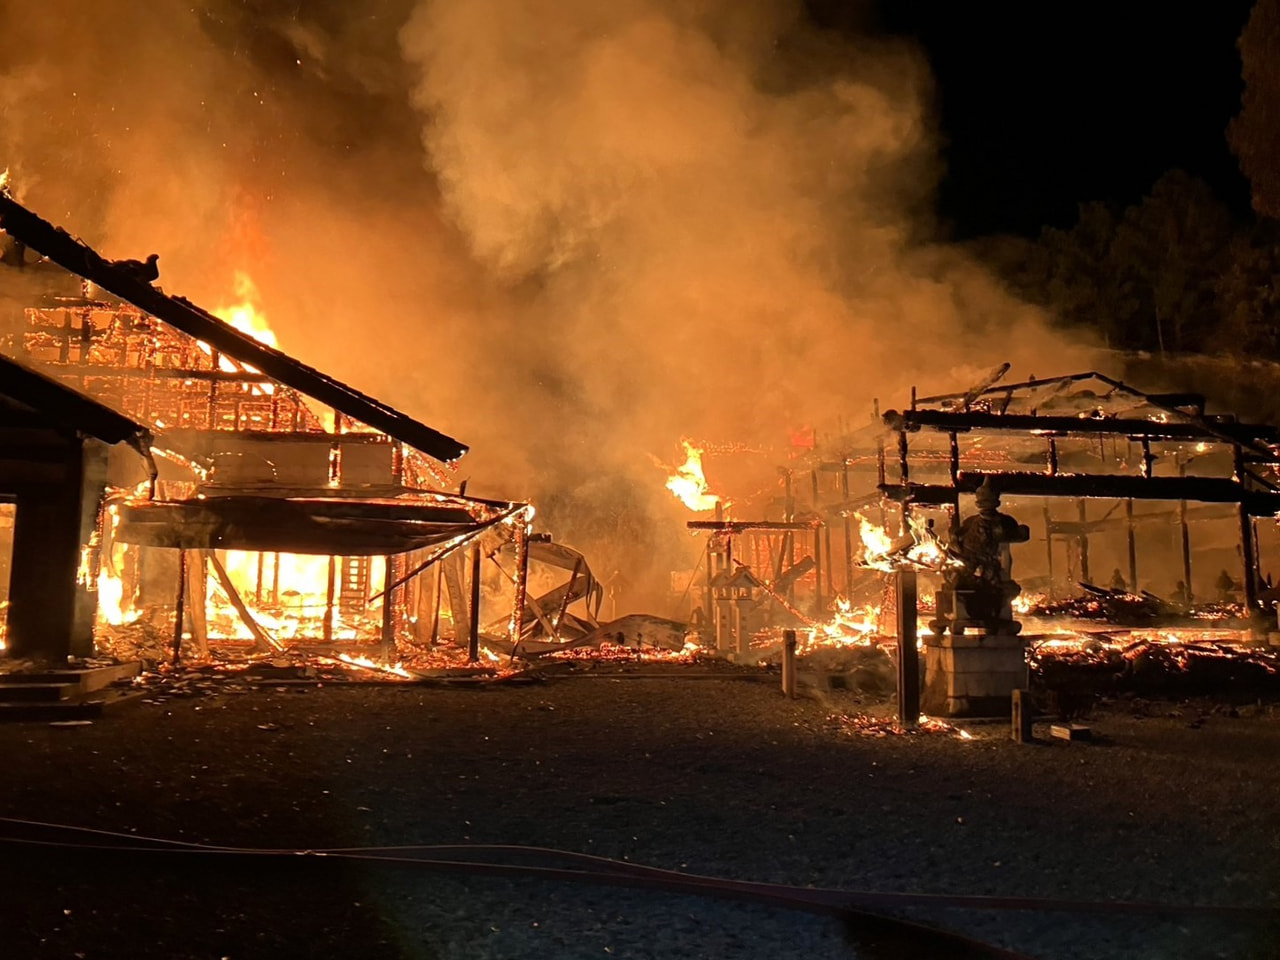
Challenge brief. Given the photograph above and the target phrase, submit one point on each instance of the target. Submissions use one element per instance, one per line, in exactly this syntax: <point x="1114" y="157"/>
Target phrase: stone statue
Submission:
<point x="981" y="592"/>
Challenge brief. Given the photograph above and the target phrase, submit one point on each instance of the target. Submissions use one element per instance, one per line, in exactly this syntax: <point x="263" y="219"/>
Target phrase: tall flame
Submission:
<point x="689" y="483"/>
<point x="245" y="316"/>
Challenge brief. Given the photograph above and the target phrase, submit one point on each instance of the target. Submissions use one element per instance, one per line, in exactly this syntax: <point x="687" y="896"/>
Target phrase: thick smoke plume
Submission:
<point x="567" y="232"/>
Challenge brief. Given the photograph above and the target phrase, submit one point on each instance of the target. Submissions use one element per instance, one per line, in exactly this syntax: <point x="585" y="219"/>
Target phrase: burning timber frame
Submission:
<point x="208" y="391"/>
<point x="1050" y="412"/>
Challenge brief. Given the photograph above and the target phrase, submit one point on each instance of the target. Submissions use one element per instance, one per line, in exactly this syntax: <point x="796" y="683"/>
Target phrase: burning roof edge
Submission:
<point x="59" y="246"/>
<point x="68" y="407"/>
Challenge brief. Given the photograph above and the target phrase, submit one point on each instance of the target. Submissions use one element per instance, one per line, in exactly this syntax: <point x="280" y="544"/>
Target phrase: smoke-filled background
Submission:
<point x="567" y="232"/>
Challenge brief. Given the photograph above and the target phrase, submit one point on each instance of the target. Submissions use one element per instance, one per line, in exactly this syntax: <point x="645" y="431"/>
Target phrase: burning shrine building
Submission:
<point x="1146" y="519"/>
<point x="272" y="506"/>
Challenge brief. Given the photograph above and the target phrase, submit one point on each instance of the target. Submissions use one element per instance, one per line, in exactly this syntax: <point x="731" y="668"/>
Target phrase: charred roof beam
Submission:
<point x="1245" y="434"/>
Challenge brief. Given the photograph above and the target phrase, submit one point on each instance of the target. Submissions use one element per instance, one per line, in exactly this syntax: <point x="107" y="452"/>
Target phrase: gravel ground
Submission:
<point x="717" y="776"/>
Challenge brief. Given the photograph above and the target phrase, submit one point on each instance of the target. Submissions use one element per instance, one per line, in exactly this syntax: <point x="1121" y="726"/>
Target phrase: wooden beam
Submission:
<point x="263" y="640"/>
<point x="1206" y="431"/>
<point x="1093" y="486"/>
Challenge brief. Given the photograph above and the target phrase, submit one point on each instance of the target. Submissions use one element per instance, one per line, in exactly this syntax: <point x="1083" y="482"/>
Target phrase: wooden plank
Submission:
<point x="263" y="640"/>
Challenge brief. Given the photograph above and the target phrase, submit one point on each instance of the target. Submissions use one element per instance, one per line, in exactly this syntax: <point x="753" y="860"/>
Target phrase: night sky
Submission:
<point x="1046" y="105"/>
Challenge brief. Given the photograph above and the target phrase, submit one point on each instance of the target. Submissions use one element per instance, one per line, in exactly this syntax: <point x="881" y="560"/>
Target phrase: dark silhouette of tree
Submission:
<point x="1253" y="133"/>
<point x="1167" y="253"/>
<point x="1249" y="293"/>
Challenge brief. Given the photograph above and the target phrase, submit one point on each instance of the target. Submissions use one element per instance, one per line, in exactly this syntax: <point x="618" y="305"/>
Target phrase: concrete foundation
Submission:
<point x="973" y="675"/>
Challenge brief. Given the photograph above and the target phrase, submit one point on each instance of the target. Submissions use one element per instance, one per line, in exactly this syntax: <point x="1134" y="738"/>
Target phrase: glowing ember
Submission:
<point x="395" y="670"/>
<point x="848" y="627"/>
<point x="689" y="483"/>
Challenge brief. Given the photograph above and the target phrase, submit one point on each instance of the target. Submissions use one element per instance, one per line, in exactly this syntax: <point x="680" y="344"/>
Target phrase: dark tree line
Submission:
<point x="1173" y="273"/>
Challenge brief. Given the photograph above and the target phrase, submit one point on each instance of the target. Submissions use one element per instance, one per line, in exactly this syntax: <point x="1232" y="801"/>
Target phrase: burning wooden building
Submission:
<point x="1141" y="511"/>
<point x="284" y="508"/>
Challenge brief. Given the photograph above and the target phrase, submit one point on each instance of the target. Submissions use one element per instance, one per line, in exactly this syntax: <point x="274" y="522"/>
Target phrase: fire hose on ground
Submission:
<point x="855" y="906"/>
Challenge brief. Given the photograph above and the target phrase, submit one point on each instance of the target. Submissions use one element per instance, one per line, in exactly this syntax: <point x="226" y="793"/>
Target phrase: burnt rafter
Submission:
<point x="1091" y="486"/>
<point x="68" y="252"/>
<point x="1248" y="434"/>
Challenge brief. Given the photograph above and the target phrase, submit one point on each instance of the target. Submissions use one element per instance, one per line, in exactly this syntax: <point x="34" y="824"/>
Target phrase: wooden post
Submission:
<point x="953" y="458"/>
<point x="709" y="609"/>
<point x="435" y="603"/>
<point x="826" y="546"/>
<point x="328" y="600"/>
<point x="1023" y="714"/>
<point x="848" y="524"/>
<point x="1185" y="532"/>
<point x="197" y="585"/>
<point x="819" y="606"/>
<point x="1133" y="546"/>
<point x="522" y="586"/>
<point x="180" y="612"/>
<point x="789" y="664"/>
<point x="388" y="607"/>
<point x="880" y="470"/>
<point x="1083" y="540"/>
<point x="908" y="655"/>
<point x="1248" y="555"/>
<point x="1048" y="544"/>
<point x="473" y="643"/>
<point x="1053" y="457"/>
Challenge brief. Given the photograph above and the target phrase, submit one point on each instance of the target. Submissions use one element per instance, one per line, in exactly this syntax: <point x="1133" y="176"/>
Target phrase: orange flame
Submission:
<point x="245" y="316"/>
<point x="689" y="483"/>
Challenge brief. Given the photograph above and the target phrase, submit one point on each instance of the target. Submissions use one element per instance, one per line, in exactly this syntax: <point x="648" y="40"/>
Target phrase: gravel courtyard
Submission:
<point x="672" y="766"/>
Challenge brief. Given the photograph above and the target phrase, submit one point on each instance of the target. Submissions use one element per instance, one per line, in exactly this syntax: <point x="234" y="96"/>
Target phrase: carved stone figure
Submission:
<point x="981" y="592"/>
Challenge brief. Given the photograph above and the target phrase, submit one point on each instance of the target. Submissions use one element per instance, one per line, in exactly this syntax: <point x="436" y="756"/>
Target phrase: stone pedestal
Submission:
<point x="972" y="675"/>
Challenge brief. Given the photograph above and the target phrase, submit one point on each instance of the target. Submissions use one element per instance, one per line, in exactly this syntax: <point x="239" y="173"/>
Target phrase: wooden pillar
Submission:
<point x="197" y="588"/>
<point x="388" y="607"/>
<point x="880" y="470"/>
<point x="328" y="600"/>
<point x="1083" y="540"/>
<point x="1133" y="546"/>
<point x="789" y="663"/>
<point x="1185" y="533"/>
<point x="826" y="546"/>
<point x="179" y="615"/>
<point x="473" y="640"/>
<point x="522" y="586"/>
<point x="1048" y="545"/>
<point x="848" y="523"/>
<point x="1248" y="555"/>
<point x="953" y="458"/>
<point x="818" y="605"/>
<point x="908" y="655"/>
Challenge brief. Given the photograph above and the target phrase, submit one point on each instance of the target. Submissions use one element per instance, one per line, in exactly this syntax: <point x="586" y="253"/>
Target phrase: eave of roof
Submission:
<point x="68" y="408"/>
<point x="79" y="258"/>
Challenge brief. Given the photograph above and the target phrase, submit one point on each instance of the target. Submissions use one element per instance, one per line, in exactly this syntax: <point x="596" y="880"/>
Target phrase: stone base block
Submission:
<point x="971" y="676"/>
